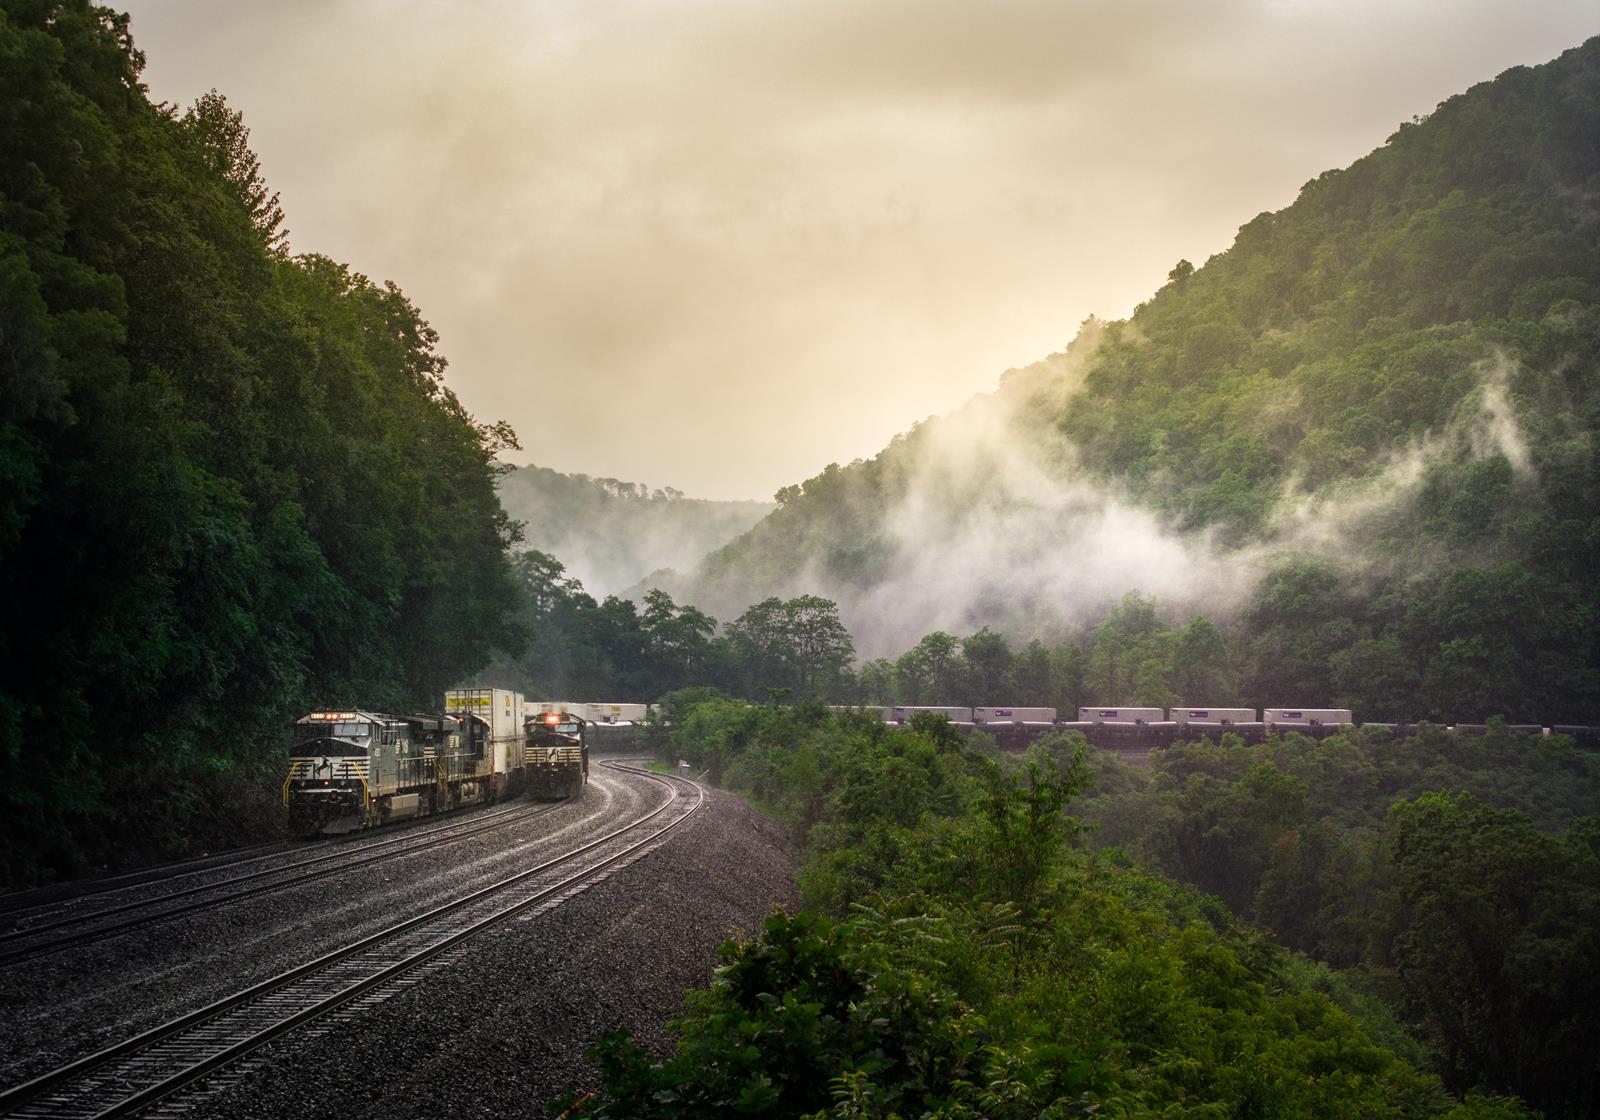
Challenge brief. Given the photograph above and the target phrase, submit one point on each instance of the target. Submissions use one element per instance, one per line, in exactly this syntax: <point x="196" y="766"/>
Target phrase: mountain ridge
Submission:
<point x="1384" y="393"/>
<point x="608" y="533"/>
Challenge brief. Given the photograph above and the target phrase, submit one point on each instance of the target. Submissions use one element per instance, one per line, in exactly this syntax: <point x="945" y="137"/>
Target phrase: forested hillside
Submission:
<point x="963" y="952"/>
<point x="233" y="483"/>
<point x="1362" y="442"/>
<point x="609" y="534"/>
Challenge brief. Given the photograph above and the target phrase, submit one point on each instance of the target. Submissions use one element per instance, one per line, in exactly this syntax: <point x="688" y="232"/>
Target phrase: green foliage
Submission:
<point x="795" y="644"/>
<point x="1471" y="913"/>
<point x="1493" y="934"/>
<point x="613" y="534"/>
<point x="580" y="648"/>
<point x="961" y="958"/>
<point x="233" y="485"/>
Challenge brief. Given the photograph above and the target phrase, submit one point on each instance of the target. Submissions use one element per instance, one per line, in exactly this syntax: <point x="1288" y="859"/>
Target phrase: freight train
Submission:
<point x="1143" y="728"/>
<point x="353" y="769"/>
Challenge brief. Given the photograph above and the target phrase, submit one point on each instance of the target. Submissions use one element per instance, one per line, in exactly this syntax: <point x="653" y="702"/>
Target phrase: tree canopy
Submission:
<point x="233" y="482"/>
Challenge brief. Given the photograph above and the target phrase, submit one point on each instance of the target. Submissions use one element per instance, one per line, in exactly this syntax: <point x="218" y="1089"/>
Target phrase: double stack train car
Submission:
<point x="1140" y="729"/>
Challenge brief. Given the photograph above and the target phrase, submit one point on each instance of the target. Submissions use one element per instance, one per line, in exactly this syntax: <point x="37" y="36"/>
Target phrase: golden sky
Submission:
<point x="718" y="245"/>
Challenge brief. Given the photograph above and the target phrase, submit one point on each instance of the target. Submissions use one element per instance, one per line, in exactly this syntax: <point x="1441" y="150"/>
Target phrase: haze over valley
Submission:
<point x="1109" y="630"/>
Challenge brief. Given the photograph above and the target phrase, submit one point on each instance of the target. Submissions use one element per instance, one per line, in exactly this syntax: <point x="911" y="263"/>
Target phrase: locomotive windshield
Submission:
<point x="333" y="738"/>
<point x="304" y="731"/>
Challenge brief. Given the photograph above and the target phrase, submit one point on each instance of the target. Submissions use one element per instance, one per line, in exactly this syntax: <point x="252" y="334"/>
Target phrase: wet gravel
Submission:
<point x="70" y="1003"/>
<point x="502" y="1030"/>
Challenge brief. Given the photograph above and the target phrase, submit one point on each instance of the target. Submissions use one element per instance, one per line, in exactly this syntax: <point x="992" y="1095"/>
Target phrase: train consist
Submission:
<point x="1144" y="728"/>
<point x="355" y="769"/>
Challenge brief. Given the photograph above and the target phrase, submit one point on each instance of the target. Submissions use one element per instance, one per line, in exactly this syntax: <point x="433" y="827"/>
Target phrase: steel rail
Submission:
<point x="17" y="906"/>
<point x="141" y="1070"/>
<point x="341" y="860"/>
<point x="28" y="901"/>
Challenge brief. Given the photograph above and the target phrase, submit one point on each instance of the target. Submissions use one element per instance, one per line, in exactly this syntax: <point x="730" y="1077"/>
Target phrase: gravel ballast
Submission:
<point x="70" y="1003"/>
<point x="503" y="1029"/>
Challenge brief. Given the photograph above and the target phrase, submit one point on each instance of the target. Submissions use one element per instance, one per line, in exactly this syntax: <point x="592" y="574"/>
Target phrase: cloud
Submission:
<point x="737" y="241"/>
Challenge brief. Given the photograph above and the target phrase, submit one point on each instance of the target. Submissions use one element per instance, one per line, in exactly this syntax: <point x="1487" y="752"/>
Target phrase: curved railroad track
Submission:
<point x="49" y="935"/>
<point x="24" y="907"/>
<point x="57" y="895"/>
<point x="181" y="1054"/>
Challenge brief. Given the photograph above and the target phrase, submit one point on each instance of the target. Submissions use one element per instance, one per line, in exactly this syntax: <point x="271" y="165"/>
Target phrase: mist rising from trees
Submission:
<point x="1378" y="407"/>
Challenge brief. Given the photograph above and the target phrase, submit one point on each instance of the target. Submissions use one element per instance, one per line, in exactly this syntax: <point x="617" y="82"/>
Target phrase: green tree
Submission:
<point x="986" y="660"/>
<point x="1484" y="908"/>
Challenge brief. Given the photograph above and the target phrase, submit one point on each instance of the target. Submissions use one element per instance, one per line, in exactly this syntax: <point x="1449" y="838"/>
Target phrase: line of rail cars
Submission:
<point x="593" y="712"/>
<point x="352" y="769"/>
<point x="1143" y="728"/>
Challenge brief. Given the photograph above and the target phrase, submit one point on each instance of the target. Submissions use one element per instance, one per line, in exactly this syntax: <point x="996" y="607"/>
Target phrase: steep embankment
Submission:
<point x="1363" y="439"/>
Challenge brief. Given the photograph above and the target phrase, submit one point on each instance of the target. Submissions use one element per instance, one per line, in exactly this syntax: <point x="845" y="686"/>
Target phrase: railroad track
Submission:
<point x="153" y="1067"/>
<point x="64" y="894"/>
<point x="52" y="935"/>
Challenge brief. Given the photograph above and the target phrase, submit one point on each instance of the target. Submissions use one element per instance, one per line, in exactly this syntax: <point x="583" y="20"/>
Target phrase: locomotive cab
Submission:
<point x="328" y="787"/>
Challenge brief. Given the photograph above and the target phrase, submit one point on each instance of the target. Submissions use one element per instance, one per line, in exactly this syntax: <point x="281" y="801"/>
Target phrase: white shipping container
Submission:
<point x="603" y="711"/>
<point x="885" y="714"/>
<point x="1013" y="715"/>
<point x="502" y="709"/>
<point x="903" y="712"/>
<point x="1213" y="716"/>
<point x="1122" y="715"/>
<point x="1306" y="717"/>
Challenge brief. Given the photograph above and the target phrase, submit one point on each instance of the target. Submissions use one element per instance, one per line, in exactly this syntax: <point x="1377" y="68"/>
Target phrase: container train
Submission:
<point x="1143" y="728"/>
<point x="352" y="769"/>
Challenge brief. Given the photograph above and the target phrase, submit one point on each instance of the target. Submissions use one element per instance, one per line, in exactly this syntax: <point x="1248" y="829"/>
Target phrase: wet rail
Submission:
<point x="47" y="934"/>
<point x="179" y="1056"/>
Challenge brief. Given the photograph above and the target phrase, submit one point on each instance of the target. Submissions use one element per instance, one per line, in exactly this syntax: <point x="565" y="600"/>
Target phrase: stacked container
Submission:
<point x="503" y="712"/>
<point x="1213" y="717"/>
<point x="1122" y="715"/>
<point x="1013" y="715"/>
<point x="1306" y="717"/>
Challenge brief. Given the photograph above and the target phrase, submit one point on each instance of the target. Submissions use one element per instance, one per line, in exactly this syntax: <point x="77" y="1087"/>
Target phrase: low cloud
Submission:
<point x="734" y="242"/>
<point x="993" y="523"/>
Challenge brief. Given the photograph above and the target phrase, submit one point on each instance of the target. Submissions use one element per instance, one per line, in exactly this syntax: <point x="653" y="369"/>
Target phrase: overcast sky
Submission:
<point x="719" y="245"/>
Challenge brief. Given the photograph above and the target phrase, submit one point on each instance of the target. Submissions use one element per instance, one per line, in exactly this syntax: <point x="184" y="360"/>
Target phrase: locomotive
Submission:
<point x="556" y="755"/>
<point x="356" y="769"/>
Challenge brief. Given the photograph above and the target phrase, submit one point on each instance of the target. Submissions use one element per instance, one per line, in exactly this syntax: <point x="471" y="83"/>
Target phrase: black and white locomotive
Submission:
<point x="556" y="755"/>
